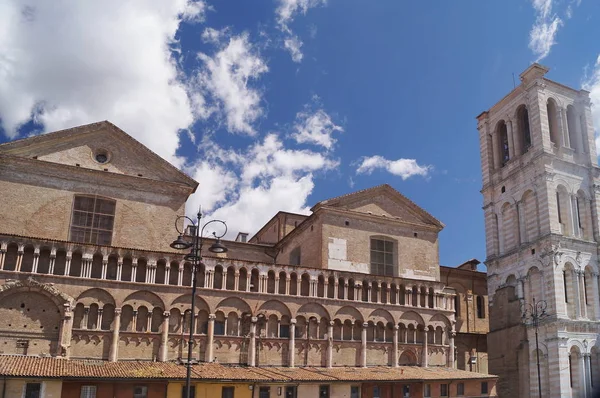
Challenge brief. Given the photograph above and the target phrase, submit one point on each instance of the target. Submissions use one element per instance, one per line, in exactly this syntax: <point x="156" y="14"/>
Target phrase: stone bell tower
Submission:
<point x="541" y="200"/>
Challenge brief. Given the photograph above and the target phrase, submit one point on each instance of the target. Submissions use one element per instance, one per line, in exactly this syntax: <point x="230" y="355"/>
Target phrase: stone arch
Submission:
<point x="96" y="295"/>
<point x="183" y="303"/>
<point x="143" y="298"/>
<point x="349" y="313"/>
<point x="233" y="304"/>
<point x="411" y="318"/>
<point x="27" y="285"/>
<point x="380" y="315"/>
<point x="275" y="307"/>
<point x="316" y="310"/>
<point x="408" y="358"/>
<point x="439" y="320"/>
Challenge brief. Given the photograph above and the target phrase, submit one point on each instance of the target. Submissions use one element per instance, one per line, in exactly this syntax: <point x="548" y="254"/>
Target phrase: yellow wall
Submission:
<point x="16" y="387"/>
<point x="211" y="390"/>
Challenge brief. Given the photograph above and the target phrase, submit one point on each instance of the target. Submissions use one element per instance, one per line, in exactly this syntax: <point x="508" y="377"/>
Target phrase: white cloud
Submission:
<point x="69" y="63"/>
<point x="592" y="84"/>
<point x="246" y="188"/>
<point x="543" y="33"/>
<point x="315" y="128"/>
<point x="288" y="9"/>
<point x="293" y="44"/>
<point x="285" y="13"/>
<point x="404" y="168"/>
<point x="223" y="82"/>
<point x="214" y="36"/>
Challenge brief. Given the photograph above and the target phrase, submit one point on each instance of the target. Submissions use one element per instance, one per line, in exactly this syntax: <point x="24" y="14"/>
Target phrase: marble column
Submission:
<point x="114" y="346"/>
<point x="363" y="345"/>
<point x="180" y="275"/>
<point x="98" y="324"/>
<point x="167" y="273"/>
<point x="451" y="348"/>
<point x="164" y="338"/>
<point x="425" y="349"/>
<point x="236" y="280"/>
<point x="395" y="352"/>
<point x="330" y="344"/>
<point x="68" y="263"/>
<point x="345" y="291"/>
<point x="52" y="261"/>
<point x="292" y="344"/>
<point x="20" y="252"/>
<point x="134" y="321"/>
<point x="582" y="289"/>
<point x="119" y="269"/>
<point x="65" y="332"/>
<point x="104" y="267"/>
<point x="577" y="300"/>
<point x="210" y="336"/>
<point x="86" y="312"/>
<point x="408" y="297"/>
<point x="36" y="260"/>
<point x="252" y="345"/>
<point x="3" y="250"/>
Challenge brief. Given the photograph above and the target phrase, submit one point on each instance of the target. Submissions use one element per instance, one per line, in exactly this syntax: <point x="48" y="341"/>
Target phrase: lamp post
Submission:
<point x="531" y="315"/>
<point x="195" y="256"/>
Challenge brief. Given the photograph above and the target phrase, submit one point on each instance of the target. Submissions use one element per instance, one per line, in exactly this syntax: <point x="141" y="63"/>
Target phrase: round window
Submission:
<point x="101" y="156"/>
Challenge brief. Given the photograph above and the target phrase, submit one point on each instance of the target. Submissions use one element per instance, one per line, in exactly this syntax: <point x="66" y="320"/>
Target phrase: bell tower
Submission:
<point x="541" y="200"/>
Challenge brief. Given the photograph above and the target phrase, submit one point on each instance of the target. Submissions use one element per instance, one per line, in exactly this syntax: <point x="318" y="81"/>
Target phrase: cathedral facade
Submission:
<point x="541" y="187"/>
<point x="87" y="274"/>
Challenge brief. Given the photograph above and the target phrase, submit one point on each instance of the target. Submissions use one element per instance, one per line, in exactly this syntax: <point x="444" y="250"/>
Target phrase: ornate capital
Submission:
<point x="211" y="317"/>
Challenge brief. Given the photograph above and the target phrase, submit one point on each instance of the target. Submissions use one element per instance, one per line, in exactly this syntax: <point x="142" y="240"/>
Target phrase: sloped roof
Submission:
<point x="20" y="147"/>
<point x="49" y="367"/>
<point x="384" y="189"/>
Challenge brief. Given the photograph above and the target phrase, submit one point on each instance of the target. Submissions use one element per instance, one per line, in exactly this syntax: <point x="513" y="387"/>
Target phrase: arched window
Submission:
<point x="480" y="307"/>
<point x="503" y="148"/>
<point x="562" y="207"/>
<point x="553" y="122"/>
<point x="574" y="135"/>
<point x="524" y="131"/>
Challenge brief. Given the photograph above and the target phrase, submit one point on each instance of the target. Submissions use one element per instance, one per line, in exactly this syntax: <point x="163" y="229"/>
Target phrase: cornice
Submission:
<point x="78" y="174"/>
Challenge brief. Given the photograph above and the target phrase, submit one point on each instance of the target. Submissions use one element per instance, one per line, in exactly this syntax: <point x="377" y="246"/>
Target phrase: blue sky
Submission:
<point x="278" y="104"/>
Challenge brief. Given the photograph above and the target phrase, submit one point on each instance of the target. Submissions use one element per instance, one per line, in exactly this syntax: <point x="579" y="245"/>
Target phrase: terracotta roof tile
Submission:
<point x="24" y="366"/>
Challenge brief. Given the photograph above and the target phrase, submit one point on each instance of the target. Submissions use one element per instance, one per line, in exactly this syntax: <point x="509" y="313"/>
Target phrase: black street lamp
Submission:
<point x="195" y="256"/>
<point x="531" y="315"/>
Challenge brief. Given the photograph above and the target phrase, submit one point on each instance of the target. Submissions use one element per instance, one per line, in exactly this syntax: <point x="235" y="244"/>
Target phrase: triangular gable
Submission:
<point x="382" y="200"/>
<point x="78" y="146"/>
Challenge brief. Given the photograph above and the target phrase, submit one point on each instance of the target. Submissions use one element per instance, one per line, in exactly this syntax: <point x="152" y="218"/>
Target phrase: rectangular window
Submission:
<point x="323" y="391"/>
<point x="443" y="390"/>
<point x="354" y="392"/>
<point x="382" y="257"/>
<point x="290" y="392"/>
<point x="140" y="392"/>
<point x="264" y="392"/>
<point x="484" y="387"/>
<point x="88" y="392"/>
<point x="480" y="307"/>
<point x="227" y="392"/>
<point x="376" y="392"/>
<point x="192" y="392"/>
<point x="460" y="389"/>
<point x="22" y="346"/>
<point x="427" y="391"/>
<point x="33" y="390"/>
<point x="92" y="220"/>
